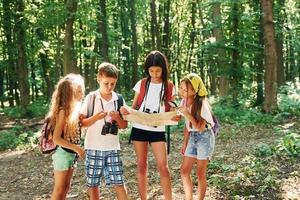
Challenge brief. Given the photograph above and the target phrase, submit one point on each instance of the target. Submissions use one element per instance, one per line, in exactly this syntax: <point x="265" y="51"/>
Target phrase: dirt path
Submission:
<point x="29" y="175"/>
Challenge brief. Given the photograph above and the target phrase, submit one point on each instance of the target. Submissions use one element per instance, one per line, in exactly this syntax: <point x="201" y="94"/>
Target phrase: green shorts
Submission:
<point x="63" y="160"/>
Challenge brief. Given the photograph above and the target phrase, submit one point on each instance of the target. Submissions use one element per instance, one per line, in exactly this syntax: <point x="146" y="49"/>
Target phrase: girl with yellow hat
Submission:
<point x="199" y="140"/>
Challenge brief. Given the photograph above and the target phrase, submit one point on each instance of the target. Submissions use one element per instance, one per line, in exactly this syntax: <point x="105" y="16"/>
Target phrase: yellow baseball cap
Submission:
<point x="197" y="84"/>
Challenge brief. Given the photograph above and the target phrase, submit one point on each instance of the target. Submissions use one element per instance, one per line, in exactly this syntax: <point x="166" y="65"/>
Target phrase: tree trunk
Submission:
<point x="166" y="29"/>
<point x="270" y="103"/>
<point x="155" y="35"/>
<point x="279" y="44"/>
<point x="2" y="87"/>
<point x="259" y="65"/>
<point x="91" y="80"/>
<point x="221" y="54"/>
<point x="102" y="23"/>
<point x="58" y="56"/>
<point x="45" y="63"/>
<point x="134" y="47"/>
<point x="21" y="53"/>
<point x="10" y="49"/>
<point x="235" y="55"/>
<point x="292" y="58"/>
<point x="192" y="36"/>
<point x="125" y="50"/>
<point x="69" y="49"/>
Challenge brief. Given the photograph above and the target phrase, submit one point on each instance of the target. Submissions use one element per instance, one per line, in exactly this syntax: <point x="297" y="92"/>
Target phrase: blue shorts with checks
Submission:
<point x="107" y="164"/>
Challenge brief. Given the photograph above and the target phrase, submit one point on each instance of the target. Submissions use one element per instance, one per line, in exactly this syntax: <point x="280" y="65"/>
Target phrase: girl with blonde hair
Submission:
<point x="64" y="115"/>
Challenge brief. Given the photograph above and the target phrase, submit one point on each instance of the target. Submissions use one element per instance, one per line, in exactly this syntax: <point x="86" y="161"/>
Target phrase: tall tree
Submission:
<point x="43" y="55"/>
<point x="125" y="49"/>
<point x="69" y="49"/>
<point x="166" y="29"/>
<point x="132" y="11"/>
<point x="270" y="102"/>
<point x="21" y="53"/>
<point x="259" y="58"/>
<point x="235" y="67"/>
<point x="155" y="34"/>
<point x="192" y="35"/>
<point x="221" y="53"/>
<point x="279" y="42"/>
<point x="102" y="23"/>
<point x="9" y="48"/>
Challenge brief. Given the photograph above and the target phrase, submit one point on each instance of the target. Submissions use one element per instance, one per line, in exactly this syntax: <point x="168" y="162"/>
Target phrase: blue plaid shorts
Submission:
<point x="106" y="164"/>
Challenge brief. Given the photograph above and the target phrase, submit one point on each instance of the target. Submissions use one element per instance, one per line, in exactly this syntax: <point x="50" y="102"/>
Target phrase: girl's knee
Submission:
<point x="163" y="170"/>
<point x="142" y="168"/>
<point x="201" y="175"/>
<point x="184" y="171"/>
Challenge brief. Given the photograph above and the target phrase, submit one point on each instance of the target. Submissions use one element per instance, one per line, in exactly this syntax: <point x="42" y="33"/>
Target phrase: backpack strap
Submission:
<point x="144" y="89"/>
<point x="120" y="101"/>
<point x="91" y="104"/>
<point x="144" y="86"/>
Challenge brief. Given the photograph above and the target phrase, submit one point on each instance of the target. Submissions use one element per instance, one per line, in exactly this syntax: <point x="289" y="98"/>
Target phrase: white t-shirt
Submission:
<point x="93" y="139"/>
<point x="152" y="102"/>
<point x="205" y="114"/>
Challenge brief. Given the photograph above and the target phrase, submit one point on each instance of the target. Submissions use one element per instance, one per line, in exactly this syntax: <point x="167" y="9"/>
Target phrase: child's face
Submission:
<point x="107" y="84"/>
<point x="155" y="73"/>
<point x="79" y="93"/>
<point x="186" y="90"/>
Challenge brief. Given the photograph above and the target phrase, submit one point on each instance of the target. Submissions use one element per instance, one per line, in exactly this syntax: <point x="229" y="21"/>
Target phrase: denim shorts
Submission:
<point x="63" y="160"/>
<point x="201" y="145"/>
<point x="107" y="164"/>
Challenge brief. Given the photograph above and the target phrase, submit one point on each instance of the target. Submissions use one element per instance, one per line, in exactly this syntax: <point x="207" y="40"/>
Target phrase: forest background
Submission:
<point x="246" y="51"/>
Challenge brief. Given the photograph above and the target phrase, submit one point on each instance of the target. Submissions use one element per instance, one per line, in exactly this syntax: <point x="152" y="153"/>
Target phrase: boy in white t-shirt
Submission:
<point x="102" y="141"/>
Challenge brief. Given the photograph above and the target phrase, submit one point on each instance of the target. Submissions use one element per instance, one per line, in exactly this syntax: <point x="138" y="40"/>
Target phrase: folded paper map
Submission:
<point x="155" y="119"/>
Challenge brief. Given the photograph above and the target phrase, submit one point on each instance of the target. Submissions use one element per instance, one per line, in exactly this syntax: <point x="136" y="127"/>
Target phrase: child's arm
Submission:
<point x="91" y="120"/>
<point x="186" y="136"/>
<point x="135" y="100"/>
<point x="197" y="124"/>
<point x="124" y="111"/>
<point x="115" y="115"/>
<point x="57" y="135"/>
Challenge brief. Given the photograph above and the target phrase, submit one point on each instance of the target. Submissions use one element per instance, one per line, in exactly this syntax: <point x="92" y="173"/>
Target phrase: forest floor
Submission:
<point x="27" y="174"/>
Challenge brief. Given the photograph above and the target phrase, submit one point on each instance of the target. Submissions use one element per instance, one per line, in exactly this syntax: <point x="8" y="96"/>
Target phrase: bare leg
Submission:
<point x="160" y="154"/>
<point x="68" y="182"/>
<point x="185" y="172"/>
<point x="94" y="193"/>
<point x="61" y="181"/>
<point x="121" y="192"/>
<point x="141" y="150"/>
<point x="201" y="174"/>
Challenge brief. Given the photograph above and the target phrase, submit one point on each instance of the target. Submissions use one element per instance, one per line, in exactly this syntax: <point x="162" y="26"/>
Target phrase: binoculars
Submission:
<point x="147" y="110"/>
<point x="110" y="128"/>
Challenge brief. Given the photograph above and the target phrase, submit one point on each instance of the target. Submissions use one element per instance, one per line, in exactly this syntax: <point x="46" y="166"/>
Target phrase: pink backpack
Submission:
<point x="46" y="142"/>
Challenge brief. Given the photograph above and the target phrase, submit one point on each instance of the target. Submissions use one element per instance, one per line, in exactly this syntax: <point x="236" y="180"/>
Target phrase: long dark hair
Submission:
<point x="156" y="58"/>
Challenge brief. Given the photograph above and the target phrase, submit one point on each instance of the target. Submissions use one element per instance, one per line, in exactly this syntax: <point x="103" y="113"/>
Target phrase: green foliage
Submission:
<point x="124" y="134"/>
<point x="36" y="109"/>
<point x="257" y="173"/>
<point x="289" y="145"/>
<point x="8" y="140"/>
<point x="263" y="150"/>
<point x="241" y="115"/>
<point x="289" y="99"/>
<point x="16" y="138"/>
